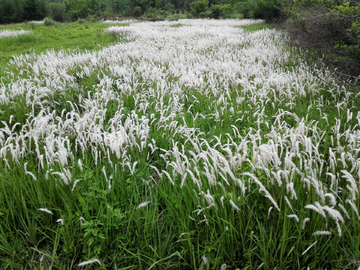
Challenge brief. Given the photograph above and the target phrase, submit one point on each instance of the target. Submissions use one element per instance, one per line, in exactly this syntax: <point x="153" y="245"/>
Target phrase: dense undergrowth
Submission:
<point x="200" y="146"/>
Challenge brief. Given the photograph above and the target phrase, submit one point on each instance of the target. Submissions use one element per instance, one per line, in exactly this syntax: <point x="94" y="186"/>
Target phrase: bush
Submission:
<point x="169" y="7"/>
<point x="57" y="11"/>
<point x="176" y="16"/>
<point x="137" y="12"/>
<point x="330" y="34"/>
<point x="205" y="14"/>
<point x="48" y="21"/>
<point x="155" y="14"/>
<point x="245" y="9"/>
<point x="10" y="11"/>
<point x="226" y="11"/>
<point x="199" y="7"/>
<point x="162" y="13"/>
<point x="77" y="9"/>
<point x="215" y="11"/>
<point x="34" y="10"/>
<point x="267" y="9"/>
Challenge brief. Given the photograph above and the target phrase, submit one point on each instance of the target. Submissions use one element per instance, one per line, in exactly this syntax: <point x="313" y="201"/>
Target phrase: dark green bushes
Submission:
<point x="199" y="7"/>
<point x="137" y="12"/>
<point x="12" y="11"/>
<point x="57" y="11"/>
<point x="330" y="33"/>
<point x="267" y="9"/>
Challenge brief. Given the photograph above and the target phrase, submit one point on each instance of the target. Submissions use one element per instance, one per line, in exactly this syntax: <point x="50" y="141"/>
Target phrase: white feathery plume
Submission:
<point x="76" y="181"/>
<point x="335" y="214"/>
<point x="222" y="201"/>
<point x="80" y="164"/>
<point x="304" y="223"/>
<point x="294" y="216"/>
<point x="168" y="175"/>
<point x="322" y="233"/>
<point x="262" y="188"/>
<point x="306" y="250"/>
<point x="332" y="198"/>
<point x="61" y="221"/>
<point x="234" y="205"/>
<point x="317" y="207"/>
<point x="204" y="260"/>
<point x="143" y="204"/>
<point x="333" y="180"/>
<point x="29" y="173"/>
<point x="89" y="262"/>
<point x="209" y="198"/>
<point x="45" y="210"/>
<point x="290" y="188"/>
<point x="353" y="186"/>
<point x="352" y="204"/>
<point x="344" y="210"/>
<point x="288" y="202"/>
<point x="62" y="176"/>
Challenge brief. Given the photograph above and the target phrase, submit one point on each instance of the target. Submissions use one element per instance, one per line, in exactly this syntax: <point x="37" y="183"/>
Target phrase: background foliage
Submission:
<point x="12" y="11"/>
<point x="329" y="33"/>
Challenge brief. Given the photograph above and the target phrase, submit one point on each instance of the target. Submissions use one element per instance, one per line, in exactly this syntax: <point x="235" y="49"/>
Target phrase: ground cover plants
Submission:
<point x="80" y="35"/>
<point x="194" y="144"/>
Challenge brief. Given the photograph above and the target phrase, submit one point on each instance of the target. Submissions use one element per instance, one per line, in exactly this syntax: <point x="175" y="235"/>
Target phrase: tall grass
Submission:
<point x="193" y="147"/>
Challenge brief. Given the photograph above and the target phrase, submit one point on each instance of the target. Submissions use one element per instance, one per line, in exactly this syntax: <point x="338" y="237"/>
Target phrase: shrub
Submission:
<point x="176" y="16"/>
<point x="169" y="7"/>
<point x="226" y="11"/>
<point x="48" y="21"/>
<point x="57" y="11"/>
<point x="155" y="14"/>
<point x="162" y="13"/>
<point x="199" y="7"/>
<point x="34" y="9"/>
<point x="267" y="9"/>
<point x="245" y="9"/>
<point x="215" y="11"/>
<point x="137" y="12"/>
<point x="330" y="34"/>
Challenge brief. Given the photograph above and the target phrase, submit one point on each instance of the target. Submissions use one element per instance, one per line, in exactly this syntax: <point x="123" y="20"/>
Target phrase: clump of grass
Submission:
<point x="177" y="16"/>
<point x="256" y="27"/>
<point x="176" y="25"/>
<point x="49" y="22"/>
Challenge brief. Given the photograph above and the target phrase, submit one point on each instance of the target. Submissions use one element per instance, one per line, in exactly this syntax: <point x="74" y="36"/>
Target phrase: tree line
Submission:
<point x="14" y="11"/>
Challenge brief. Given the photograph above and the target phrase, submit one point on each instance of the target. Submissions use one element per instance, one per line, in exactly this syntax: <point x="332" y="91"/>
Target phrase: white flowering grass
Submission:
<point x="216" y="126"/>
<point x="13" y="33"/>
<point x="118" y="21"/>
<point x="36" y="22"/>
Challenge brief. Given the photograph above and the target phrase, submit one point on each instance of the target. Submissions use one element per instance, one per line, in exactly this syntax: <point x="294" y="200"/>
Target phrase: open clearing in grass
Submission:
<point x="205" y="146"/>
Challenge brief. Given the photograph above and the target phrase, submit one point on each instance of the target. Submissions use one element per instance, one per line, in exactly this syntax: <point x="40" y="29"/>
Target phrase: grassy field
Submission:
<point x="196" y="144"/>
<point x="79" y="35"/>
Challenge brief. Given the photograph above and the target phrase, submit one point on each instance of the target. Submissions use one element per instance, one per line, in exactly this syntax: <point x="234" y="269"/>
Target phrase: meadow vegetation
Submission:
<point x="70" y="36"/>
<point x="197" y="144"/>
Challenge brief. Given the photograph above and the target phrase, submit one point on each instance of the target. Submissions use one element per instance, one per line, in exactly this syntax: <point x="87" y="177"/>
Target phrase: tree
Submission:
<point x="34" y="10"/>
<point x="199" y="7"/>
